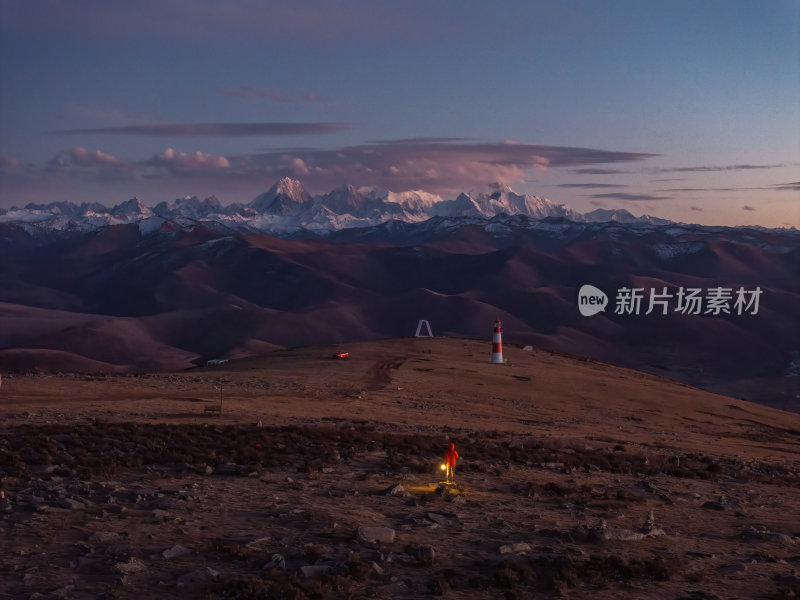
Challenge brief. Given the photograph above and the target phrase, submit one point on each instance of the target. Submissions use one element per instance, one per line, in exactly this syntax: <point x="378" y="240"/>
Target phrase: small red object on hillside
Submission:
<point x="341" y="355"/>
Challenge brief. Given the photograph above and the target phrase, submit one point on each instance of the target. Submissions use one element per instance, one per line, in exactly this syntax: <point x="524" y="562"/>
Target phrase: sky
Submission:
<point x="685" y="110"/>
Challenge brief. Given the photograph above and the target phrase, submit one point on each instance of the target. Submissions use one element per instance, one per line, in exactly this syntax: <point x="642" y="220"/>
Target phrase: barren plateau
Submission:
<point x="320" y="479"/>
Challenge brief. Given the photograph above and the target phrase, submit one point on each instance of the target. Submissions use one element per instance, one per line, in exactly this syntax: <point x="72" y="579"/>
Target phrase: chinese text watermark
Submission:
<point x="713" y="301"/>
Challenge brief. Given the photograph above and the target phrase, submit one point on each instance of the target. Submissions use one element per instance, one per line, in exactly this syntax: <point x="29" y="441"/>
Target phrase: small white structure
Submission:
<point x="216" y="361"/>
<point x="427" y="325"/>
<point x="528" y="348"/>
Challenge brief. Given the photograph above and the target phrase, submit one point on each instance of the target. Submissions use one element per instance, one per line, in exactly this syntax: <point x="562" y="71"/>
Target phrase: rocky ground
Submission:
<point x="320" y="479"/>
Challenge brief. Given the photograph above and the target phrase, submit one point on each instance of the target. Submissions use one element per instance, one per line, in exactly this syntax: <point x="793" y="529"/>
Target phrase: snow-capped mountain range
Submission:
<point x="288" y="209"/>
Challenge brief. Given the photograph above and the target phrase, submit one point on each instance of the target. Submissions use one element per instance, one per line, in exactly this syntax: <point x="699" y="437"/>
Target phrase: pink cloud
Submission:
<point x="81" y="157"/>
<point x="9" y="162"/>
<point x="441" y="166"/>
<point x="181" y="160"/>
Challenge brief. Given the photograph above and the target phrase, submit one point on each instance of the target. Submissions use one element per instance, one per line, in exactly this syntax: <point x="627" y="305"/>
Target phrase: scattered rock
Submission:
<point x="649" y="528"/>
<point x="105" y="537"/>
<point x="71" y="504"/>
<point x="395" y="490"/>
<point x="134" y="565"/>
<point x="604" y="532"/>
<point x="439" y="519"/>
<point x="516" y="443"/>
<point x="424" y="553"/>
<point x="276" y="561"/>
<point x="64" y="592"/>
<point x="731" y="568"/>
<point x="201" y="575"/>
<point x="376" y="568"/>
<point x="770" y="536"/>
<point x="376" y="535"/>
<point x="518" y="548"/>
<point x="227" y="469"/>
<point x="311" y="571"/>
<point x="176" y="551"/>
<point x="160" y="515"/>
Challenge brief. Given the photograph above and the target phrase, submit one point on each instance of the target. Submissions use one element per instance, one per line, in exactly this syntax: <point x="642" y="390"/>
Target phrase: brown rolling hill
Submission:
<point x="183" y="295"/>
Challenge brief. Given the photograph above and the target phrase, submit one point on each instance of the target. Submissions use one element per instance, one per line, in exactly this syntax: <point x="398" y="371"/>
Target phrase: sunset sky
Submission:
<point x="686" y="110"/>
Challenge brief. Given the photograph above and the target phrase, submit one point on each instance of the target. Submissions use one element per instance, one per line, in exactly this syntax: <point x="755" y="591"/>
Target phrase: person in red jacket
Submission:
<point x="450" y="464"/>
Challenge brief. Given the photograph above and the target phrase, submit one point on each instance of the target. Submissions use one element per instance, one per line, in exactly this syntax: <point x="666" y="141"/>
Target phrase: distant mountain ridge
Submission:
<point x="168" y="292"/>
<point x="287" y="209"/>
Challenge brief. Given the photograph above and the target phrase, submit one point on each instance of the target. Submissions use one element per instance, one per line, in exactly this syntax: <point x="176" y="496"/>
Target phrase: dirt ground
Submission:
<point x="320" y="479"/>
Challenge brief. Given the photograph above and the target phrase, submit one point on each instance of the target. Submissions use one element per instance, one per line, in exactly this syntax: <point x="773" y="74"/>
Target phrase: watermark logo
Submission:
<point x="713" y="301"/>
<point x="591" y="300"/>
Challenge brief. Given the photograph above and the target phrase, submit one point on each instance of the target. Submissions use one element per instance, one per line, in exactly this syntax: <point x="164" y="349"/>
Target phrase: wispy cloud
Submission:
<point x="747" y="207"/>
<point x="212" y="129"/>
<point x="268" y="93"/>
<point x="111" y="116"/>
<point x="688" y="169"/>
<point x="591" y="171"/>
<point x="792" y="187"/>
<point x="689" y="189"/>
<point x="716" y="168"/>
<point x="591" y="185"/>
<point x="631" y="197"/>
<point x="696" y="208"/>
<point x="81" y="157"/>
<point x="423" y="140"/>
<point x="598" y="203"/>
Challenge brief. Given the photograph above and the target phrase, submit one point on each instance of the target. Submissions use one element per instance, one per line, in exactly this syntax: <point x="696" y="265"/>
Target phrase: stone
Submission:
<point x="71" y="504"/>
<point x="201" y="575"/>
<point x="311" y="571"/>
<point x="516" y="443"/>
<point x="105" y="537"/>
<point x="376" y="535"/>
<point x="439" y="519"/>
<point x="425" y="553"/>
<point x="395" y="490"/>
<point x="176" y="551"/>
<point x="770" y="536"/>
<point x="134" y="565"/>
<point x="227" y="469"/>
<point x="277" y="561"/>
<point x="518" y="548"/>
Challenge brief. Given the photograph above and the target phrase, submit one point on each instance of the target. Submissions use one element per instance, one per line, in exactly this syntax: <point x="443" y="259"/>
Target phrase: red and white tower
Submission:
<point x="497" y="344"/>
